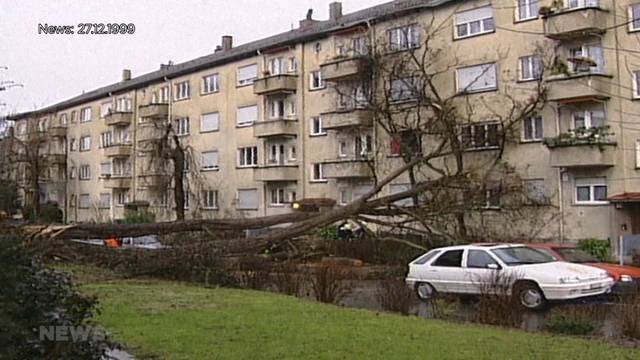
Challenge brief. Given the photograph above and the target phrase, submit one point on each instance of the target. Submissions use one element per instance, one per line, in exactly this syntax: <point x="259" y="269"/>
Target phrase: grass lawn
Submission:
<point x="176" y="321"/>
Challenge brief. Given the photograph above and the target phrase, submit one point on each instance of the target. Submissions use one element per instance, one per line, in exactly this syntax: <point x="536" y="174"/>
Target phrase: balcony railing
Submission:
<point x="57" y="158"/>
<point x="118" y="150"/>
<point x="117" y="181"/>
<point x="154" y="111"/>
<point x="276" y="173"/>
<point x="58" y="131"/>
<point x="358" y="167"/>
<point x="283" y="83"/>
<point x="591" y="147"/>
<point x="279" y="127"/>
<point x="579" y="86"/>
<point x="569" y="24"/>
<point x="118" y="118"/>
<point x="154" y="180"/>
<point x="347" y="118"/>
<point x="344" y="67"/>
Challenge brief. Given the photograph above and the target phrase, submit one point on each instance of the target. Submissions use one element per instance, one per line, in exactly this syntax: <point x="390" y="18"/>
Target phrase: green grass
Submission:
<point x="176" y="321"/>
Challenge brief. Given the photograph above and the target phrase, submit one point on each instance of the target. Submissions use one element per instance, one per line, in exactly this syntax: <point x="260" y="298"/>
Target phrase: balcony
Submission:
<point x="276" y="173"/>
<point x="343" y="68"/>
<point x="149" y="133"/>
<point x="579" y="87"/>
<point x="58" y="131"/>
<point x="118" y="150"/>
<point x="117" y="182"/>
<point x="159" y="111"/>
<point x="572" y="24"/>
<point x="347" y="169"/>
<point x="154" y="181"/>
<point x="582" y="148"/>
<point x="276" y="84"/>
<point x="346" y="118"/>
<point x="57" y="158"/>
<point x="280" y="127"/>
<point x="118" y="118"/>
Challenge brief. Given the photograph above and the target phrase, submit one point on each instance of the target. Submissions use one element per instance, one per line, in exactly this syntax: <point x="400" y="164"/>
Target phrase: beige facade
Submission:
<point x="267" y="96"/>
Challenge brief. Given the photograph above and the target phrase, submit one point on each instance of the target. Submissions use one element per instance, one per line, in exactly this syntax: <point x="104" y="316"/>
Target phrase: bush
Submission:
<point x="394" y="295"/>
<point x="628" y="315"/>
<point x="598" y="248"/>
<point x="572" y="321"/>
<point x="329" y="232"/>
<point x="8" y="197"/>
<point x="286" y="280"/>
<point x="139" y="217"/>
<point x="328" y="282"/>
<point x="32" y="297"/>
<point x="50" y="213"/>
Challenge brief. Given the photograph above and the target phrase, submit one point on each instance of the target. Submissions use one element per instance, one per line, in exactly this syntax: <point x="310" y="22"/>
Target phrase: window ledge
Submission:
<point x="592" y="204"/>
<point x="456" y="38"/>
<point x="318" y="134"/>
<point x="245" y="125"/>
<point x="316" y="89"/>
<point x="210" y="170"/>
<point x="209" y="131"/>
<point x="525" y="20"/>
<point x="533" y="141"/>
<point x="323" y="181"/>
<point x="209" y="93"/>
<point x="181" y="100"/>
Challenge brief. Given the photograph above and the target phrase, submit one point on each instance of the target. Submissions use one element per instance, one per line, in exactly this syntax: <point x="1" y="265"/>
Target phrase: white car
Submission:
<point x="531" y="275"/>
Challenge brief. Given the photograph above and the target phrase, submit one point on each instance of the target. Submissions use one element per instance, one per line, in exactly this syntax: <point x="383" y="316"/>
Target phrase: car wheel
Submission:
<point x="530" y="296"/>
<point x="425" y="291"/>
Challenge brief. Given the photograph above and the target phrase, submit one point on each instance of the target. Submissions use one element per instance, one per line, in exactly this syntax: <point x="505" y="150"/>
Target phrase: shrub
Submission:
<point x="32" y="297"/>
<point x="139" y="217"/>
<point x="328" y="283"/>
<point x="254" y="279"/>
<point x="329" y="232"/>
<point x="598" y="248"/>
<point x="496" y="305"/>
<point x="572" y="321"/>
<point x="8" y="197"/>
<point x="394" y="295"/>
<point x="628" y="315"/>
<point x="50" y="213"/>
<point x="286" y="280"/>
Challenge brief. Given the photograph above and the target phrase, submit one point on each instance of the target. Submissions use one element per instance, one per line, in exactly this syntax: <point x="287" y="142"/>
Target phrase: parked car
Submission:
<point x="149" y="242"/>
<point x="627" y="277"/>
<point x="534" y="277"/>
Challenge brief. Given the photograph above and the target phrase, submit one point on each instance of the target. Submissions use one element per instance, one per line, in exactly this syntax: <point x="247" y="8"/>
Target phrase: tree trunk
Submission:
<point x="178" y="172"/>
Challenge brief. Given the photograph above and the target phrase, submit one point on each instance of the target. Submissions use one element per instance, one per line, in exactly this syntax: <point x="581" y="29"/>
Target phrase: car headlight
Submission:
<point x="569" y="280"/>
<point x="626" y="278"/>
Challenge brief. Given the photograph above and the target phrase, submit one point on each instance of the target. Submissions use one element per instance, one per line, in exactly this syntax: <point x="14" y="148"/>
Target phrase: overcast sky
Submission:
<point x="56" y="67"/>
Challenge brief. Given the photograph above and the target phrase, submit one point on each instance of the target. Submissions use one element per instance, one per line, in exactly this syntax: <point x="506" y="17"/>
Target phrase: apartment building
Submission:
<point x="265" y="126"/>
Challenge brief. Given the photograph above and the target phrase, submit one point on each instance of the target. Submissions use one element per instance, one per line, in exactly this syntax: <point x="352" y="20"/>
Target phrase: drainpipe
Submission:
<point x="560" y="188"/>
<point x="303" y="117"/>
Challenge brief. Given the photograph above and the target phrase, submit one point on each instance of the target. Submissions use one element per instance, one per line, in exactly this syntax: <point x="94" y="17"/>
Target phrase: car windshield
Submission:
<point x="576" y="255"/>
<point x="522" y="255"/>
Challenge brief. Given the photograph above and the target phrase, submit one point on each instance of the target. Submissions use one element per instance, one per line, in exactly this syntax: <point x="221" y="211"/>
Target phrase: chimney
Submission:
<point x="308" y="22"/>
<point x="335" y="10"/>
<point x="126" y="75"/>
<point x="227" y="42"/>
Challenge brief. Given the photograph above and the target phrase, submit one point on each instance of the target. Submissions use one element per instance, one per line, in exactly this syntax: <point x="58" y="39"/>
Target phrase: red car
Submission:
<point x="627" y="277"/>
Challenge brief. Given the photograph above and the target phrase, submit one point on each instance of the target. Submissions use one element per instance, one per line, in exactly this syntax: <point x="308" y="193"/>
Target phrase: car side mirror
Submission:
<point x="493" y="267"/>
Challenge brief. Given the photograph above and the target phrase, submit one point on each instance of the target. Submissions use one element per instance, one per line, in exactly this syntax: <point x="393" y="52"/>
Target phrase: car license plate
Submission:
<point x="594" y="286"/>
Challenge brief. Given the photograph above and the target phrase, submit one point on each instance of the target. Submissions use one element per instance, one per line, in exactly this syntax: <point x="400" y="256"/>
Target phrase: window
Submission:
<point x="210" y="122"/>
<point x="210" y="84"/>
<point x="474" y="22"/>
<point x="85" y="114"/>
<point x="478" y="259"/>
<point x="106" y="139"/>
<point x="363" y="145"/>
<point x="404" y="38"/>
<point x="210" y="160"/>
<point x="247" y="74"/>
<point x="248" y="156"/>
<point x="532" y="129"/>
<point x="293" y="156"/>
<point x="638" y="154"/>
<point x="316" y="126"/>
<point x="123" y="104"/>
<point x="182" y="90"/>
<point x="105" y="201"/>
<point x="345" y="197"/>
<point x="73" y="117"/>
<point x="317" y="47"/>
<point x="105" y="169"/>
<point x="293" y="65"/>
<point x="85" y="172"/>
<point x="481" y="136"/>
<point x="586" y="58"/>
<point x="276" y="66"/>
<point x="404" y="89"/>
<point x="105" y="108"/>
<point x="492" y="196"/>
<point x="73" y="145"/>
<point x="248" y="199"/>
<point x="591" y="191"/>
<point x="183" y="126"/>
<point x="317" y="173"/>
<point x="63" y="120"/>
<point x="315" y="80"/>
<point x="187" y="199"/>
<point x="634" y="17"/>
<point x="530" y="68"/>
<point x="536" y="191"/>
<point x="281" y="107"/>
<point x="161" y="96"/>
<point x="277" y="197"/>
<point x="588" y="119"/>
<point x="407" y="140"/>
<point x="85" y="143"/>
<point x="360" y="46"/>
<point x="122" y="197"/>
<point x="452" y="258"/>
<point x="121" y="167"/>
<point x="342" y="148"/>
<point x="210" y="199"/>
<point x="528" y="9"/>
<point x="247" y="115"/>
<point x="636" y="84"/>
<point x="477" y="78"/>
<point x="85" y="201"/>
<point x="72" y="172"/>
<point x="573" y="4"/>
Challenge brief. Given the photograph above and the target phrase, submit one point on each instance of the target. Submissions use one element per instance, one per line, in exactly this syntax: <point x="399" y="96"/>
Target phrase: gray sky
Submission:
<point x="56" y="67"/>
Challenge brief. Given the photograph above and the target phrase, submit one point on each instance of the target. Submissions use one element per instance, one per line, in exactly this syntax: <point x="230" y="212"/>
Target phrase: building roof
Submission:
<point x="625" y="197"/>
<point x="316" y="31"/>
